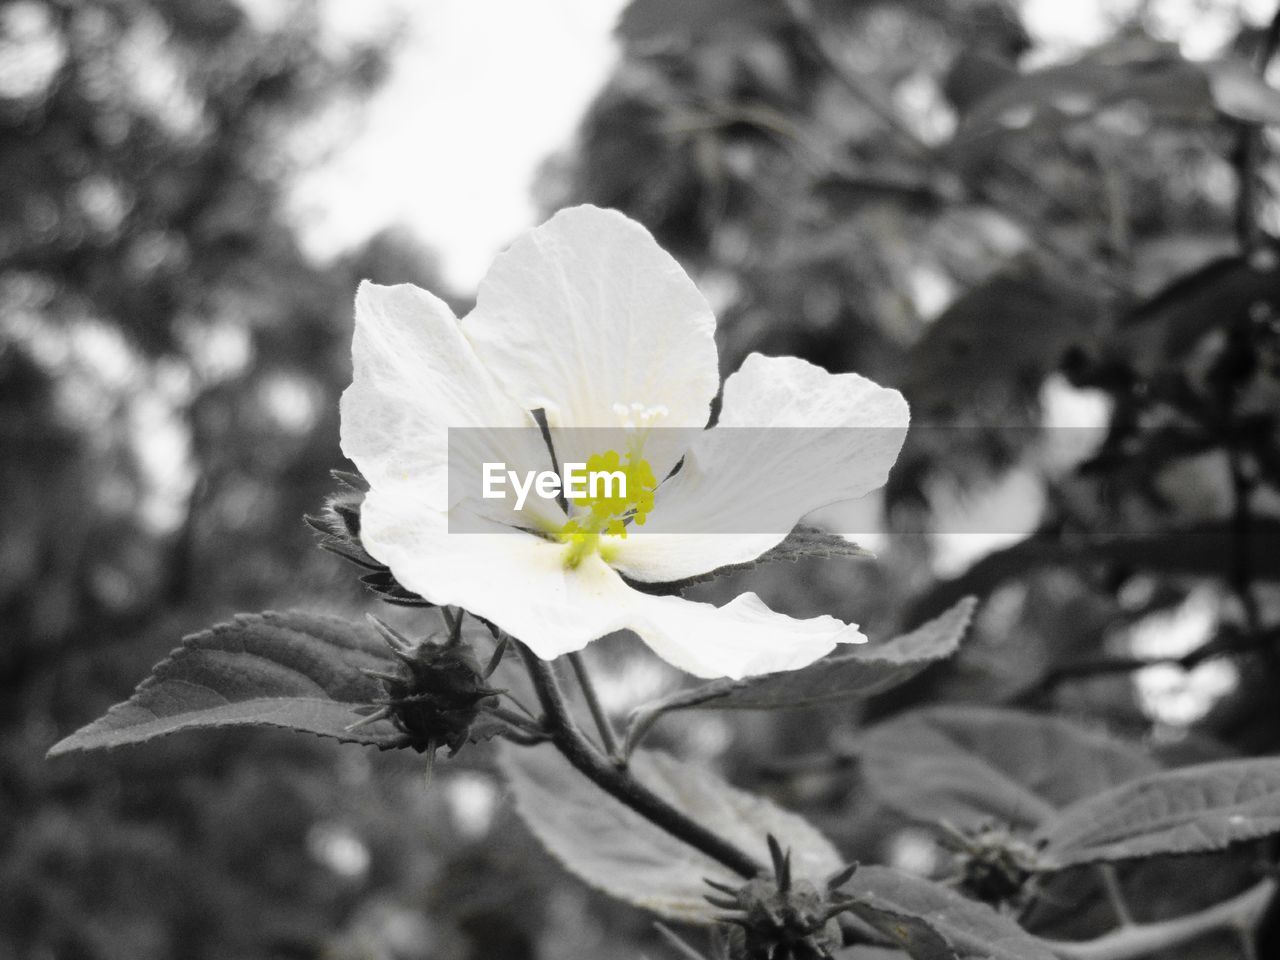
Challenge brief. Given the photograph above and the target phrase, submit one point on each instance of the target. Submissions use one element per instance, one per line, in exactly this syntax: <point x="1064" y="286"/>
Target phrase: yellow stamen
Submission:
<point x="612" y="507"/>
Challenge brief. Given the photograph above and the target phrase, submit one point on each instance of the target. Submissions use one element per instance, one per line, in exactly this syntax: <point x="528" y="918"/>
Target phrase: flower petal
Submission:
<point x="414" y="377"/>
<point x="741" y="639"/>
<point x="791" y="439"/>
<point x="514" y="579"/>
<point x="587" y="312"/>
<point x="519" y="582"/>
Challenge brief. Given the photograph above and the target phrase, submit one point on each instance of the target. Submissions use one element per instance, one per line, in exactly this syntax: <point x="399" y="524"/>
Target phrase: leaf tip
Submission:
<point x="72" y="743"/>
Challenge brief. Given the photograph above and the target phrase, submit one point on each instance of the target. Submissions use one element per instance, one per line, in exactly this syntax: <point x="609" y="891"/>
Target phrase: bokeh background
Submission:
<point x="1048" y="223"/>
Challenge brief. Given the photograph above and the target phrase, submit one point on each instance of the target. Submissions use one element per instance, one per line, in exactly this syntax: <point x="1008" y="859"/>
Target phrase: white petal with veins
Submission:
<point x="414" y="377"/>
<point x="827" y="438"/>
<point x="741" y="639"/>
<point x="517" y="580"/>
<point x="586" y="313"/>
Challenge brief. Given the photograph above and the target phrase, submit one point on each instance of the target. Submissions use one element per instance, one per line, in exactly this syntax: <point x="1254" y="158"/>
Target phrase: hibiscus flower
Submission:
<point x="587" y="320"/>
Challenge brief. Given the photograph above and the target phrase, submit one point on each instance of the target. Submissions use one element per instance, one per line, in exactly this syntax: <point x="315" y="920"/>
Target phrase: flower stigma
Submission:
<point x="610" y="510"/>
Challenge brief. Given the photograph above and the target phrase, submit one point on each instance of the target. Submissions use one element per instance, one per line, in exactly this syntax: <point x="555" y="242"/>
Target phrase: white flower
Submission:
<point x="588" y="320"/>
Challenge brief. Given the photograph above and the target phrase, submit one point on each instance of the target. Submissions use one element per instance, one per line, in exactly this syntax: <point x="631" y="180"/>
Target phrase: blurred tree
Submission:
<point x="170" y="364"/>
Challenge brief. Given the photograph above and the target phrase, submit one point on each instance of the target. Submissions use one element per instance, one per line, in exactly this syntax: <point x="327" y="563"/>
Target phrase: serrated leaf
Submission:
<point x="967" y="764"/>
<point x="931" y="922"/>
<point x="614" y="849"/>
<point x="1190" y="810"/>
<point x="864" y="671"/>
<point x="295" y="670"/>
<point x="800" y="544"/>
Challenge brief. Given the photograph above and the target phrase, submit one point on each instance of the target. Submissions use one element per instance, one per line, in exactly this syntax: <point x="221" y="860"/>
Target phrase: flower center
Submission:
<point x="608" y="507"/>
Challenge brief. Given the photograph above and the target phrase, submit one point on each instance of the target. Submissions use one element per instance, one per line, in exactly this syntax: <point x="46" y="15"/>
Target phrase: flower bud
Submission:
<point x="991" y="863"/>
<point x="780" y="918"/>
<point x="436" y="694"/>
<point x="339" y="528"/>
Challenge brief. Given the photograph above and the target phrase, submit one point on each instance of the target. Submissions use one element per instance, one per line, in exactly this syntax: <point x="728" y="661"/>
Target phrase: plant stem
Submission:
<point x="1242" y="912"/>
<point x="608" y="738"/>
<point x="577" y="749"/>
<point x="519" y="721"/>
<point x="1115" y="894"/>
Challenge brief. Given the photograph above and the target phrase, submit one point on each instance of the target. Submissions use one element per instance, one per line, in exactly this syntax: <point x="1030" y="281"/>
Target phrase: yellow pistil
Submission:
<point x="610" y="510"/>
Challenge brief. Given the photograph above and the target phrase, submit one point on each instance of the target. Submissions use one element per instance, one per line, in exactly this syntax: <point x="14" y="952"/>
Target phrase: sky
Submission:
<point x="481" y="92"/>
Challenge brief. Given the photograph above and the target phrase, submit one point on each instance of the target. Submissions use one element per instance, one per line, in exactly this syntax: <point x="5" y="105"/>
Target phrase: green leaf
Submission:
<point x="614" y="849"/>
<point x="986" y="574"/>
<point x="1169" y="89"/>
<point x="295" y="670"/>
<point x="1239" y="92"/>
<point x="1024" y="315"/>
<point x="1172" y="87"/>
<point x="862" y="672"/>
<point x="1214" y="296"/>
<point x="800" y="544"/>
<point x="805" y="542"/>
<point x="665" y="21"/>
<point x="1190" y="810"/>
<point x="931" y="922"/>
<point x="967" y="764"/>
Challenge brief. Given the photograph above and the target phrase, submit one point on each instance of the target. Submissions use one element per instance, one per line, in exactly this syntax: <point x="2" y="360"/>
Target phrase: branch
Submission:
<point x="588" y="761"/>
<point x="802" y="15"/>
<point x="608" y="739"/>
<point x="1115" y="894"/>
<point x="1242" y="913"/>
<point x="1227" y="643"/>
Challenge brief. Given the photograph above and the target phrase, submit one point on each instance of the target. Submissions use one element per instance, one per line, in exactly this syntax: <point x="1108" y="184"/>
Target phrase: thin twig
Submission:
<point x="1229" y="642"/>
<point x="518" y="721"/>
<point x="608" y="738"/>
<point x="578" y="750"/>
<point x="1115" y="894"/>
<point x="519" y="704"/>
<point x="1242" y="540"/>
<point x="802" y="14"/>
<point x="1242" y="912"/>
<point x="1248" y="949"/>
